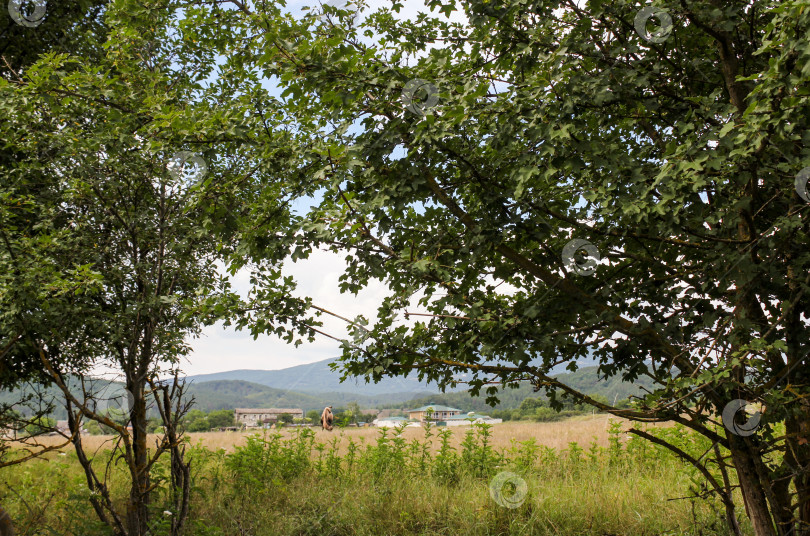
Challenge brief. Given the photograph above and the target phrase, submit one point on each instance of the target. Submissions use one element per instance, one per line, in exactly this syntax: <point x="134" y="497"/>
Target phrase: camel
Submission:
<point x="326" y="418"/>
<point x="6" y="528"/>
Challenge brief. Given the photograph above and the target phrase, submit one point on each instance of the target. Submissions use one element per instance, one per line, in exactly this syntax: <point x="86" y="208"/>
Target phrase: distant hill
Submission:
<point x="295" y="387"/>
<point x="586" y="380"/>
<point x="102" y="390"/>
<point x="319" y="378"/>
<point x="229" y="394"/>
<point x="224" y="394"/>
<point x="221" y="394"/>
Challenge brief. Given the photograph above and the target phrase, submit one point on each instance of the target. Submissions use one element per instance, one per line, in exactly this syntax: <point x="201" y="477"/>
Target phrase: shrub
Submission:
<point x="267" y="460"/>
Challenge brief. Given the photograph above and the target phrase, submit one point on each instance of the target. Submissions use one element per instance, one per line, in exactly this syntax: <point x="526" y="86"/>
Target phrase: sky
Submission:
<point x="220" y="349"/>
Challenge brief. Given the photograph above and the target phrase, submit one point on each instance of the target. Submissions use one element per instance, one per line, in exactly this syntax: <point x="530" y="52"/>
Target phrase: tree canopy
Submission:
<point x="537" y="181"/>
<point x="108" y="260"/>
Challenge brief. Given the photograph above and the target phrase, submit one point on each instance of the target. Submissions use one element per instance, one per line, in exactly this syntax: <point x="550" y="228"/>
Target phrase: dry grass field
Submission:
<point x="271" y="487"/>
<point x="558" y="435"/>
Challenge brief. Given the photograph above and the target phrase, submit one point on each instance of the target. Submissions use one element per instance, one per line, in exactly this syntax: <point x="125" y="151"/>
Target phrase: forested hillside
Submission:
<point x="317" y="377"/>
<point x="229" y="394"/>
<point x="586" y="380"/>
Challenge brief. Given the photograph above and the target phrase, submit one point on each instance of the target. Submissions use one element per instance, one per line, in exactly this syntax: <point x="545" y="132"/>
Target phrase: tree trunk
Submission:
<point x="798" y="458"/>
<point x="6" y="527"/>
<point x="756" y="501"/>
<point x="138" y="505"/>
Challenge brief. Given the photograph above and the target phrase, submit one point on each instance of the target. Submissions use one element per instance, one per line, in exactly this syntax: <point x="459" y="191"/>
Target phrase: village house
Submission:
<point x="433" y="412"/>
<point x="259" y="417"/>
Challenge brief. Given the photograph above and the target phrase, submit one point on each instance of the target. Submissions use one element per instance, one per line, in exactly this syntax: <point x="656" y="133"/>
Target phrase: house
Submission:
<point x="433" y="412"/>
<point x="258" y="417"/>
<point x="470" y="418"/>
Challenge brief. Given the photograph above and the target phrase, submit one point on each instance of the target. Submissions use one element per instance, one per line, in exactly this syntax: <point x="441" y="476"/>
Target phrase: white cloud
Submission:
<point x="219" y="349"/>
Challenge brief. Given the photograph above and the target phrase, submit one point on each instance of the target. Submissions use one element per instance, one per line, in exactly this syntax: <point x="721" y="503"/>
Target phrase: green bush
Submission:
<point x="267" y="460"/>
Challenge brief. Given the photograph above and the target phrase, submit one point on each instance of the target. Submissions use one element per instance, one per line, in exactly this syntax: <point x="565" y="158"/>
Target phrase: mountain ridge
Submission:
<point x="231" y="394"/>
<point x="318" y="378"/>
<point x="299" y="385"/>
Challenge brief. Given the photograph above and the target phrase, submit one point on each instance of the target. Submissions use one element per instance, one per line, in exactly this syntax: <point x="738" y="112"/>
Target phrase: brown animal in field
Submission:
<point x="326" y="418"/>
<point x="6" y="528"/>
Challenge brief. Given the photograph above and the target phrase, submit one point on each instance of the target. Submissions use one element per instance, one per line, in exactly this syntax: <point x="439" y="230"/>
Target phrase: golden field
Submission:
<point x="392" y="488"/>
<point x="558" y="435"/>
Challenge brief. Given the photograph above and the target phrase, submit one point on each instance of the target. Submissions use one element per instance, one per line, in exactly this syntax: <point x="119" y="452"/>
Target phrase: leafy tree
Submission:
<point x="155" y="427"/>
<point x="368" y="417"/>
<point x="531" y="404"/>
<point x="341" y="417"/>
<point x="64" y="28"/>
<point x="353" y="411"/>
<point x="313" y="416"/>
<point x="121" y="269"/>
<point x="285" y="418"/>
<point x="221" y="418"/>
<point x="40" y="425"/>
<point x="196" y="421"/>
<point x="554" y="179"/>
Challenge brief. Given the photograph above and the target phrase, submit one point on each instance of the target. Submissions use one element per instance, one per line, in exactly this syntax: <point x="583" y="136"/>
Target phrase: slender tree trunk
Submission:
<point x="138" y="506"/>
<point x="727" y="495"/>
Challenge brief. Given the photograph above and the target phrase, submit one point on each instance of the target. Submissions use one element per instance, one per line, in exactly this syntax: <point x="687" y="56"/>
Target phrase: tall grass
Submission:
<point x="434" y="481"/>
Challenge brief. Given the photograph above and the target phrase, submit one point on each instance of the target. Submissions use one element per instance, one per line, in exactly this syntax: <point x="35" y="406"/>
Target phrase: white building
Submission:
<point x="393" y="422"/>
<point x="470" y="418"/>
<point x="258" y="417"/>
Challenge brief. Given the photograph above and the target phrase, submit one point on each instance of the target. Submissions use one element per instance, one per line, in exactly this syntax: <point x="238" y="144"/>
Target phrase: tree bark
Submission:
<point x="138" y="505"/>
<point x="798" y="458"/>
<point x="6" y="527"/>
<point x="756" y="501"/>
